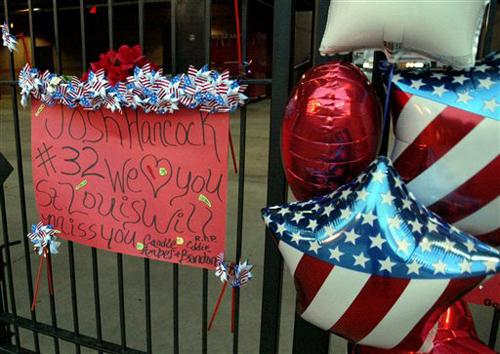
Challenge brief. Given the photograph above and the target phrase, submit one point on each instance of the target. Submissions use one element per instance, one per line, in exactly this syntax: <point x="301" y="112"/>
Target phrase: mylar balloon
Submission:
<point x="454" y="334"/>
<point x="331" y="129"/>
<point x="372" y="264"/>
<point x="447" y="31"/>
<point x="447" y="127"/>
<point x="486" y="294"/>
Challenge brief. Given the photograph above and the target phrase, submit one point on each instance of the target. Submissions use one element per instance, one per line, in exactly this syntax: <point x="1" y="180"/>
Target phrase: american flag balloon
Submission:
<point x="454" y="334"/>
<point x="447" y="127"/>
<point x="372" y="264"/>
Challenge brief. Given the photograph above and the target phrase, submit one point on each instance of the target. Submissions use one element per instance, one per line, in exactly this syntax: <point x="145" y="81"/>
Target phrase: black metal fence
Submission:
<point x="24" y="334"/>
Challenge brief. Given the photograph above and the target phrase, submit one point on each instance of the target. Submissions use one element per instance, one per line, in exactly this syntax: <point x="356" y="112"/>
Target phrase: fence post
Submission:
<point x="308" y="338"/>
<point x="320" y="16"/>
<point x="5" y="334"/>
<point x="283" y="28"/>
<point x="191" y="33"/>
<point x="494" y="329"/>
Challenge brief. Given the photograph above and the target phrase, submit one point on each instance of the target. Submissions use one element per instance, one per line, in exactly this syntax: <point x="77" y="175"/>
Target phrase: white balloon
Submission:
<point x="443" y="30"/>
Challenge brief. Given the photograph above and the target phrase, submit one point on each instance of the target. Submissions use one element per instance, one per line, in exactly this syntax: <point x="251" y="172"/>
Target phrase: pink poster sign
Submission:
<point x="141" y="184"/>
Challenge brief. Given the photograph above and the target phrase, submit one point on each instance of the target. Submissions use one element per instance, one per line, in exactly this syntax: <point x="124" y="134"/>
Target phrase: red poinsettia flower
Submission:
<point x="116" y="74"/>
<point x="119" y="65"/>
<point x="85" y="76"/>
<point x="129" y="57"/>
<point x="106" y="61"/>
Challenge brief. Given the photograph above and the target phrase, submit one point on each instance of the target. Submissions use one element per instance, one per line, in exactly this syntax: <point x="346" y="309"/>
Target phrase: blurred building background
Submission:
<point x="157" y="34"/>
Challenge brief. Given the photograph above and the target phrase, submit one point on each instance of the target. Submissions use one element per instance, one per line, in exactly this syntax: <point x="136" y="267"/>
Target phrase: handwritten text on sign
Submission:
<point x="142" y="184"/>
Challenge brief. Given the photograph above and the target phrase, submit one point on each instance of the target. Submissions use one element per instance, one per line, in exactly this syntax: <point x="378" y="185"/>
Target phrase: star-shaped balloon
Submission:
<point x="447" y="31"/>
<point x="454" y="333"/>
<point x="441" y="119"/>
<point x="374" y="265"/>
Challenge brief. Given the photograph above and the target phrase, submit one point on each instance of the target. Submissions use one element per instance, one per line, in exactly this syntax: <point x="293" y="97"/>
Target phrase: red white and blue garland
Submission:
<point x="205" y="89"/>
<point x="8" y="40"/>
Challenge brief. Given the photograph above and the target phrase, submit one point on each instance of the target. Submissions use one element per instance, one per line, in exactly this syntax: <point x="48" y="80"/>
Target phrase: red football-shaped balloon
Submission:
<point x="331" y="129"/>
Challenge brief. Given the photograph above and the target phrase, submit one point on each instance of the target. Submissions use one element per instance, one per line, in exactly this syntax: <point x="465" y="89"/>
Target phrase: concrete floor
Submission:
<point x="220" y="339"/>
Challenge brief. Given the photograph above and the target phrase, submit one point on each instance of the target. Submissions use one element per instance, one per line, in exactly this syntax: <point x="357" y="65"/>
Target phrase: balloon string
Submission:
<point x="217" y="305"/>
<point x="37" y="283"/>
<point x="386" y="105"/>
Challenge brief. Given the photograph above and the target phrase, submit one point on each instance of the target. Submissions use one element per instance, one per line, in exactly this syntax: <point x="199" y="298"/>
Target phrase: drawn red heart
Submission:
<point x="150" y="167"/>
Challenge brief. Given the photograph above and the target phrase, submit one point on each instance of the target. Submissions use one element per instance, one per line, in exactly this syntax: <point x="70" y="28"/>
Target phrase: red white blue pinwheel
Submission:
<point x="236" y="275"/>
<point x="372" y="264"/>
<point x="44" y="239"/>
<point x="8" y="40"/>
<point x="45" y="244"/>
<point x="205" y="89"/>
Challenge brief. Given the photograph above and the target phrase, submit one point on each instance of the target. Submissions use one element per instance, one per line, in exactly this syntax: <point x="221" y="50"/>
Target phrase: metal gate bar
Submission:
<point x="175" y="267"/>
<point x="204" y="316"/>
<point x="3" y="213"/>
<point x="20" y="180"/>
<point x="283" y="24"/>
<point x="241" y="176"/>
<point x="59" y="69"/>
<point x="95" y="266"/>
<point x="65" y="335"/>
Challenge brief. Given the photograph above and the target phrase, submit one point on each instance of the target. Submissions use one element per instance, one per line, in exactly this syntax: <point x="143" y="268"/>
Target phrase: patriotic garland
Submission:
<point x="45" y="244"/>
<point x="206" y="89"/>
<point x="8" y="39"/>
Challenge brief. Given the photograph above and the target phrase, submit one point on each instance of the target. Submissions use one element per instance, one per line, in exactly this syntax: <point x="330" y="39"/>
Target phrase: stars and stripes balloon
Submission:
<point x="372" y="264"/>
<point x="454" y="334"/>
<point x="331" y="129"/>
<point x="447" y="127"/>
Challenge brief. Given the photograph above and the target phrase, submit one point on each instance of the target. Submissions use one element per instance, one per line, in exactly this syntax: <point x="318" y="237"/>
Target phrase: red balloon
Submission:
<point x="455" y="334"/>
<point x="486" y="294"/>
<point x="331" y="129"/>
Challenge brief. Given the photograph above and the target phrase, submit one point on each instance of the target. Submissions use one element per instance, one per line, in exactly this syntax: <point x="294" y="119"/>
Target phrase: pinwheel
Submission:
<point x="44" y="240"/>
